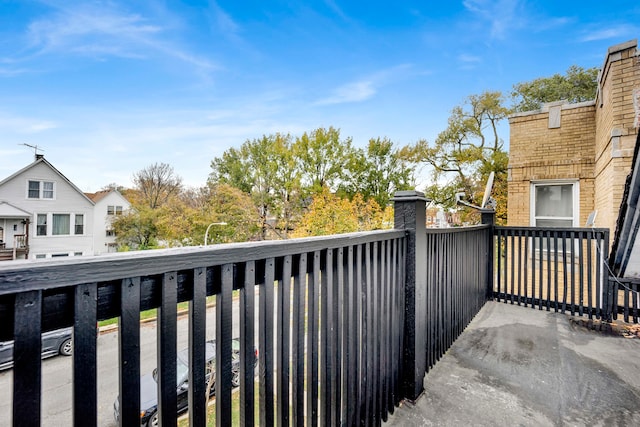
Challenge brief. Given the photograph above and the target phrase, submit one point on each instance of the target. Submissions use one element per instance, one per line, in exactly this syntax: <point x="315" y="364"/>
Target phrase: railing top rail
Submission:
<point x="557" y="229"/>
<point x="457" y="229"/>
<point x="27" y="275"/>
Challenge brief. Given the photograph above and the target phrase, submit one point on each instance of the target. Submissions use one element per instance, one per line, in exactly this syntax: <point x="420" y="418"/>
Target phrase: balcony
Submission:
<point x="346" y="326"/>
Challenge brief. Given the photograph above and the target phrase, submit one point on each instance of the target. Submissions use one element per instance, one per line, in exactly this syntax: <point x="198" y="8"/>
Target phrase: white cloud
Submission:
<point x="101" y="30"/>
<point x="609" y="33"/>
<point x="351" y="92"/>
<point x="469" y="59"/>
<point x="362" y="89"/>
<point x="24" y="125"/>
<point x="502" y="15"/>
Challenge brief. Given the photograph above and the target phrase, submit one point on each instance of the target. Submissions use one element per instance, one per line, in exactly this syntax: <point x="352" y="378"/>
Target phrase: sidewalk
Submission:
<point x="519" y="366"/>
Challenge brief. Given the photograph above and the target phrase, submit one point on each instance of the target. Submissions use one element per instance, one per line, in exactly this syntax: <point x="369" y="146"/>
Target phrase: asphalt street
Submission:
<point x="57" y="374"/>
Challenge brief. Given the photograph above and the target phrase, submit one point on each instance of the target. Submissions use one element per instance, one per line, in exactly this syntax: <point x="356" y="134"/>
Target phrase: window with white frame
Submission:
<point x="40" y="189"/>
<point x="41" y="225"/>
<point x="554" y="204"/>
<point x="61" y="224"/>
<point x="114" y="210"/>
<point x="79" y="224"/>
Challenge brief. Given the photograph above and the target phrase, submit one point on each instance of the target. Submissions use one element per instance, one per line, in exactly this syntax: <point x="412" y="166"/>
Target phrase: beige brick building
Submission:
<point x="567" y="160"/>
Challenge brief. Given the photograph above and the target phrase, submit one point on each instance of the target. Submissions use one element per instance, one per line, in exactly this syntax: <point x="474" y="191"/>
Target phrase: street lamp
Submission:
<point x="206" y="234"/>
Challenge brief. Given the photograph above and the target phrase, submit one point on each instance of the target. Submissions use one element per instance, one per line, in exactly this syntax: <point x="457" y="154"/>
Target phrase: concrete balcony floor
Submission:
<point x="518" y="366"/>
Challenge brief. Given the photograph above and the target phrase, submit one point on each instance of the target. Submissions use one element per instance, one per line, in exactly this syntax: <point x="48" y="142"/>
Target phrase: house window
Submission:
<point x="79" y="229"/>
<point x="77" y="254"/>
<point x="41" y="256"/>
<point x="555" y="204"/>
<point x="47" y="190"/>
<point x="114" y="210"/>
<point x="41" y="225"/>
<point x="59" y="255"/>
<point x="40" y="190"/>
<point x="61" y="225"/>
<point x="34" y="189"/>
<point x="110" y="233"/>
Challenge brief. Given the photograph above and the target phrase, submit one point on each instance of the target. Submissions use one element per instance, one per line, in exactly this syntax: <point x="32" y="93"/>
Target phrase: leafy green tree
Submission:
<point x="377" y="172"/>
<point x="322" y="155"/>
<point x="466" y="152"/>
<point x="233" y="211"/>
<point x="137" y="228"/>
<point x="576" y="85"/>
<point x="264" y="169"/>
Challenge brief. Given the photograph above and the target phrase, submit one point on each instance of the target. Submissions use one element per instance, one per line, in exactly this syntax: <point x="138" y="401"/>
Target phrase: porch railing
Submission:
<point x="457" y="267"/>
<point x="559" y="269"/>
<point x="329" y="313"/>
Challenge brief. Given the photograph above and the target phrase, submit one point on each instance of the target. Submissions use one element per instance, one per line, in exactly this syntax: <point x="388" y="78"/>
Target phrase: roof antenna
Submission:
<point x="487" y="201"/>
<point x="35" y="150"/>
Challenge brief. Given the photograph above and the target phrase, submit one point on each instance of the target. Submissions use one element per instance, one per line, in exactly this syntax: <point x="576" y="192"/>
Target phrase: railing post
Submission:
<point x="488" y="216"/>
<point x="410" y="215"/>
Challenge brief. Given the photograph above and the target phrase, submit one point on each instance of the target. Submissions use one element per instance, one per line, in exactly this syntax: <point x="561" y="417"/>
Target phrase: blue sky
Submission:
<point x="107" y="88"/>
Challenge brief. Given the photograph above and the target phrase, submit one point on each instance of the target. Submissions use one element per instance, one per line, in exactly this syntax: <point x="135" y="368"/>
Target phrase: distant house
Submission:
<point x="568" y="160"/>
<point x="44" y="214"/>
<point x="108" y="205"/>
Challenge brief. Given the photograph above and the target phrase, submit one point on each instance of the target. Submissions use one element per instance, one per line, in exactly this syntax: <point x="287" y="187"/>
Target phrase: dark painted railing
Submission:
<point x="330" y="322"/>
<point x="624" y="300"/>
<point x="448" y="280"/>
<point x="560" y="269"/>
<point x="457" y="266"/>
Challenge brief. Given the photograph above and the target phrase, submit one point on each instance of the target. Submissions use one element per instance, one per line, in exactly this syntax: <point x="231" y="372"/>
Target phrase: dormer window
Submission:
<point x="40" y="190"/>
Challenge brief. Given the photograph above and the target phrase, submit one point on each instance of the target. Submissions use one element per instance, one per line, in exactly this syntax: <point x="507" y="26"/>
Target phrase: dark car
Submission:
<point x="149" y="386"/>
<point x="53" y="343"/>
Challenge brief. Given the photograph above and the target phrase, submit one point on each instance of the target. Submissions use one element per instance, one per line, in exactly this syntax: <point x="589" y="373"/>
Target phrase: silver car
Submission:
<point x="53" y="343"/>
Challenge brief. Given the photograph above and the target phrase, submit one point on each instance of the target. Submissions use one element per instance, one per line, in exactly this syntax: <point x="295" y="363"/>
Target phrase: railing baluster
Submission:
<point x="247" y="345"/>
<point x="581" y="273"/>
<point x="167" y="333"/>
<point x="27" y="366"/>
<point x="197" y="358"/>
<point x="283" y="336"/>
<point x="377" y="333"/>
<point x="591" y="305"/>
<point x="297" y="350"/>
<point x="367" y="338"/>
<point x="556" y="297"/>
<point x="350" y="396"/>
<point x="85" y="384"/>
<point x="526" y="266"/>
<point x="129" y="346"/>
<point x="313" y="319"/>
<point x="540" y="269"/>
<point x="564" y="271"/>
<point x="265" y="339"/>
<point x="549" y="249"/>
<point x="224" y="323"/>
<point x="339" y="413"/>
<point x="327" y="333"/>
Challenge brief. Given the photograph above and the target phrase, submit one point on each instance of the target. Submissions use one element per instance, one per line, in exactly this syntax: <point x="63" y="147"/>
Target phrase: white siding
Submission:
<point x="102" y="221"/>
<point x="66" y="200"/>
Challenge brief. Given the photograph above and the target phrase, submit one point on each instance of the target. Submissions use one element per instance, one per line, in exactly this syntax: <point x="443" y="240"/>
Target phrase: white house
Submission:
<point x="108" y="205"/>
<point x="44" y="215"/>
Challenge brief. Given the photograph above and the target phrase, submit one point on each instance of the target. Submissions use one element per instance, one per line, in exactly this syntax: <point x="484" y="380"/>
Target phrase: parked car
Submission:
<point x="149" y="385"/>
<point x="53" y="343"/>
